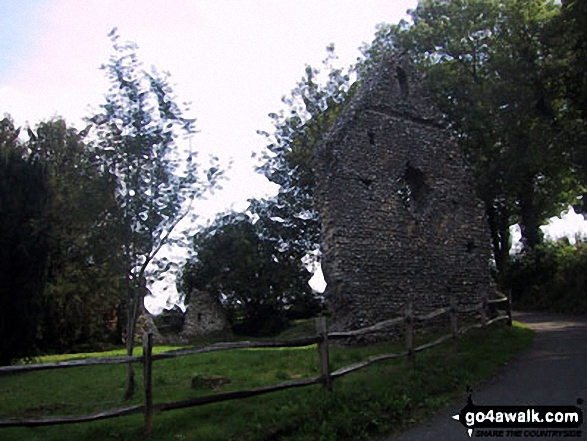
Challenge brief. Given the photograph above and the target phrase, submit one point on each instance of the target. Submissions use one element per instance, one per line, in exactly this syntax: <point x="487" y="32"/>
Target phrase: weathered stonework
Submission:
<point x="400" y="219"/>
<point x="204" y="315"/>
<point x="145" y="324"/>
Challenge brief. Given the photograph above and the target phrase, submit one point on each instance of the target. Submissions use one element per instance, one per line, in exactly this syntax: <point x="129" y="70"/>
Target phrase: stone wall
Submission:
<point x="400" y="218"/>
<point x="204" y="315"/>
<point x="145" y="324"/>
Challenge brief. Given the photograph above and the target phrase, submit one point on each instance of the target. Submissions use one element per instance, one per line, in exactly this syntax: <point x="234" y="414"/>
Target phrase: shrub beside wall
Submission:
<point x="553" y="277"/>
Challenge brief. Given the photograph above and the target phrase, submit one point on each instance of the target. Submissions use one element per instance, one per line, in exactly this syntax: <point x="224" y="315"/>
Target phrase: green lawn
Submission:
<point x="379" y="400"/>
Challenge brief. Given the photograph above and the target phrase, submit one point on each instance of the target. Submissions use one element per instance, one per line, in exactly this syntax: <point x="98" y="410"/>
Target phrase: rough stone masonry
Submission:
<point x="400" y="219"/>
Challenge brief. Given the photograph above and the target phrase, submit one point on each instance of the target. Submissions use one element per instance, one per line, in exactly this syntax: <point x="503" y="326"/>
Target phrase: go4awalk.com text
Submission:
<point x="521" y="421"/>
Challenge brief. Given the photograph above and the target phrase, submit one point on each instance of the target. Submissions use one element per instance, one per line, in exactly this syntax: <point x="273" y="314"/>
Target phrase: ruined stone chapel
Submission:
<point x="400" y="218"/>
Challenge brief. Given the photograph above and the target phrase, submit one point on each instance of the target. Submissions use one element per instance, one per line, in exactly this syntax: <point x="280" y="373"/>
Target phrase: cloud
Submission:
<point x="232" y="59"/>
<point x="569" y="224"/>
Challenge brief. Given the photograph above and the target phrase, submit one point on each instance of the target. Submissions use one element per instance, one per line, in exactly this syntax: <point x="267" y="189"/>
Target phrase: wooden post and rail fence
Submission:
<point x="322" y="338"/>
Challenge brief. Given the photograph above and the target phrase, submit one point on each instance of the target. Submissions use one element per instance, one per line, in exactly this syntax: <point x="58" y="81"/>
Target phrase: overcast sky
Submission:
<point x="233" y="59"/>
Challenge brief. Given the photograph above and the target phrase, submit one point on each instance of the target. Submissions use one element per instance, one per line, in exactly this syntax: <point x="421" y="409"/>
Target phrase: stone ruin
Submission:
<point x="204" y="315"/>
<point x="400" y="219"/>
<point x="146" y="324"/>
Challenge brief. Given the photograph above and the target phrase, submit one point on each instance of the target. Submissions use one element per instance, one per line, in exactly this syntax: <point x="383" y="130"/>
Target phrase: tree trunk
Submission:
<point x="134" y="304"/>
<point x="502" y="254"/>
<point x="500" y="240"/>
<point x="530" y="219"/>
<point x="130" y="373"/>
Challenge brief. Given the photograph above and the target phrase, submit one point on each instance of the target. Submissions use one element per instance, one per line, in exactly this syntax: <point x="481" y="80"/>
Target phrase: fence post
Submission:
<point x="323" y="352"/>
<point x="509" y="307"/>
<point x="409" y="326"/>
<point x="453" y="322"/>
<point x="484" y="314"/>
<point x="148" y="377"/>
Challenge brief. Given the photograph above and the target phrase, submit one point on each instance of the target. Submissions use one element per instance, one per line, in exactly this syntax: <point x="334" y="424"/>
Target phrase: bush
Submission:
<point x="259" y="278"/>
<point x="170" y="321"/>
<point x="23" y="246"/>
<point x="258" y="321"/>
<point x="551" y="277"/>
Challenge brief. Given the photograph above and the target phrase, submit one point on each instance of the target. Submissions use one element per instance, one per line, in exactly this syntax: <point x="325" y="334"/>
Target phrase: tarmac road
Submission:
<point x="552" y="371"/>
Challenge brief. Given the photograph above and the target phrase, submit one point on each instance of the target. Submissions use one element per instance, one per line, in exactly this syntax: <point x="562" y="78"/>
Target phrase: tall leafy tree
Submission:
<point x="285" y="235"/>
<point x="258" y="268"/>
<point x="137" y="130"/>
<point x="311" y="109"/>
<point x="23" y="244"/>
<point x="257" y="278"/>
<point x="510" y="94"/>
<point x="568" y="34"/>
<point x="489" y="65"/>
<point x="84" y="274"/>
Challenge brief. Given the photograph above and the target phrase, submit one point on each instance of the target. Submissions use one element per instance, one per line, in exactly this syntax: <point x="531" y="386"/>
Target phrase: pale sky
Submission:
<point x="233" y="59"/>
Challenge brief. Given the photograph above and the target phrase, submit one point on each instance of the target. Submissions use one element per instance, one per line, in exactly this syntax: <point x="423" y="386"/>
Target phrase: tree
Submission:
<point x="23" y="244"/>
<point x="509" y="94"/>
<point x="311" y="109"/>
<point x="550" y="277"/>
<point x="489" y="65"/>
<point x="156" y="181"/>
<point x="84" y="274"/>
<point x="271" y="252"/>
<point x="258" y="279"/>
<point x="257" y="268"/>
<point x="568" y="34"/>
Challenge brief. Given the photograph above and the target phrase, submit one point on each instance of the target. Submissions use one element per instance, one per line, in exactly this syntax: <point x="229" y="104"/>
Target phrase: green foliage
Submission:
<point x="23" y="244"/>
<point x="494" y="68"/>
<point x="79" y="290"/>
<point x="257" y="268"/>
<point x="84" y="274"/>
<point x="569" y="33"/>
<point x="156" y="180"/>
<point x="378" y="401"/>
<point x="506" y="74"/>
<point x="550" y="277"/>
<point x="258" y="278"/>
<point x="311" y="109"/>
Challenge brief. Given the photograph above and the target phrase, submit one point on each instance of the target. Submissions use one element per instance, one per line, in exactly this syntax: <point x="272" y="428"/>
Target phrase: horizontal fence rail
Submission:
<point x="299" y="342"/>
<point x="68" y="364"/>
<point x="381" y="326"/>
<point x="496" y="319"/>
<point x="433" y="314"/>
<point x="321" y="340"/>
<point x="369" y="361"/>
<point x="500" y="300"/>
<point x="52" y="421"/>
<point x="198" y="401"/>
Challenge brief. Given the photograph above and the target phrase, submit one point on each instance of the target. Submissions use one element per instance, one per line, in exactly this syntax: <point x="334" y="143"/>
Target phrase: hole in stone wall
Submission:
<point x="416" y="181"/>
<point x="367" y="182"/>
<point x="471" y="246"/>
<point x="405" y="193"/>
<point x="413" y="188"/>
<point x="402" y="79"/>
<point x="371" y="138"/>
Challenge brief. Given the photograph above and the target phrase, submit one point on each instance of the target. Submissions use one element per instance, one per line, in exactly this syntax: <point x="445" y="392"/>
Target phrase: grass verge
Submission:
<point x="380" y="400"/>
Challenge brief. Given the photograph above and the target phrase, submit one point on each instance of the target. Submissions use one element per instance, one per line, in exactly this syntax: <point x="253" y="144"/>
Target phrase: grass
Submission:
<point x="379" y="400"/>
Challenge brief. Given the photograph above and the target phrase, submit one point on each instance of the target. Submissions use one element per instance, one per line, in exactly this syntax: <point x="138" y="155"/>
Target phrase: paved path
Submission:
<point x="552" y="371"/>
